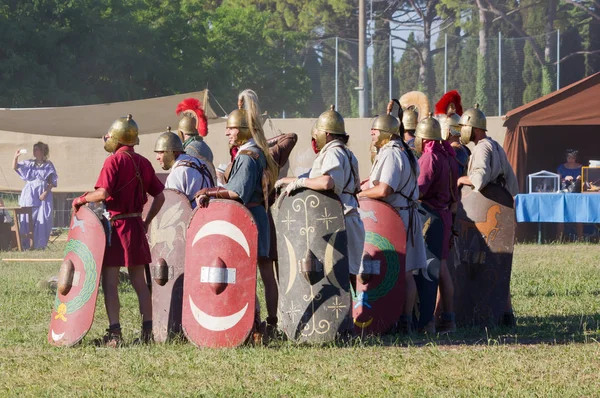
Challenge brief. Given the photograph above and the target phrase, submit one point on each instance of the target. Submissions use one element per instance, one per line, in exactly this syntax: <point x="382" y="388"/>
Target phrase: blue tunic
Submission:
<point x="246" y="181"/>
<point x="565" y="172"/>
<point x="37" y="177"/>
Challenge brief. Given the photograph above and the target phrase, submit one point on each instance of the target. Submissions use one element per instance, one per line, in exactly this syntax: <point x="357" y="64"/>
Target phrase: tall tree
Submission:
<point x="408" y="67"/>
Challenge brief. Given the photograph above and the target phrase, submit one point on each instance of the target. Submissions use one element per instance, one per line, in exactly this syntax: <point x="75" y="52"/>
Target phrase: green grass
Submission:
<point x="553" y="352"/>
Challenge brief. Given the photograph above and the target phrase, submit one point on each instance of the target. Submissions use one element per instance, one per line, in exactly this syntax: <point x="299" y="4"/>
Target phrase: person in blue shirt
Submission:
<point x="570" y="170"/>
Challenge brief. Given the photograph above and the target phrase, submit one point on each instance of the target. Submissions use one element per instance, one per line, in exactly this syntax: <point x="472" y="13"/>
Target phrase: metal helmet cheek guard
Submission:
<point x="328" y="122"/>
<point x="237" y="119"/>
<point x="466" y="133"/>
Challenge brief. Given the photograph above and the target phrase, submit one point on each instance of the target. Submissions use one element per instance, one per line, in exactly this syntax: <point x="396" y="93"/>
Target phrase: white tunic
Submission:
<point x="392" y="167"/>
<point x="487" y="163"/>
<point x="187" y="179"/>
<point x="338" y="162"/>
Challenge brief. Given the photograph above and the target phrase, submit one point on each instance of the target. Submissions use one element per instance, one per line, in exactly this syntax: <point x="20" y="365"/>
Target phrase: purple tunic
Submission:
<point x="37" y="178"/>
<point x="437" y="186"/>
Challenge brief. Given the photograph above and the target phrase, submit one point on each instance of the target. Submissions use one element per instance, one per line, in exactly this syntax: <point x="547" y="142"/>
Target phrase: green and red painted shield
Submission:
<point x="219" y="289"/>
<point x="166" y="236"/>
<point x="378" y="303"/>
<point x="481" y="260"/>
<point x="73" y="312"/>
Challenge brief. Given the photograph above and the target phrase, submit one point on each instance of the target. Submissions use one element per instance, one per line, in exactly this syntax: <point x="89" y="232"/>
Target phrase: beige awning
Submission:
<point x="152" y="115"/>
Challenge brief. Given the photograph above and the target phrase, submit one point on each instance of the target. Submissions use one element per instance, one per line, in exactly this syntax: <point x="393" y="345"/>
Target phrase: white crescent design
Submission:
<point x="216" y="323"/>
<point x="224" y="228"/>
<point x="426" y="270"/>
<point x="57" y="337"/>
<point x="293" y="270"/>
<point x="329" y="261"/>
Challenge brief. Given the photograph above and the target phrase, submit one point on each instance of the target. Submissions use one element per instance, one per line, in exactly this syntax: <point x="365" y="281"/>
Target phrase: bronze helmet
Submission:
<point x="387" y="125"/>
<point x="168" y="143"/>
<point x="328" y="122"/>
<point x="123" y="131"/>
<point x="427" y="129"/>
<point x="237" y="119"/>
<point x="187" y="125"/>
<point x="472" y="118"/>
<point x="410" y="118"/>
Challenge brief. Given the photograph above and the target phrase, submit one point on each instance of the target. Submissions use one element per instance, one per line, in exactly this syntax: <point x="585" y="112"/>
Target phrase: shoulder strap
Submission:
<point x="200" y="168"/>
<point x="137" y="175"/>
<point x="253" y="154"/>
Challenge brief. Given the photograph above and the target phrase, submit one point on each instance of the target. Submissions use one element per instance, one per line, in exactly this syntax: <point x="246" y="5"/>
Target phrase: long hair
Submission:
<point x="248" y="100"/>
<point x="44" y="148"/>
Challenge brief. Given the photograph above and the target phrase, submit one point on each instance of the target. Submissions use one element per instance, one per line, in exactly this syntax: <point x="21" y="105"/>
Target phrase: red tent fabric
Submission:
<point x="538" y="133"/>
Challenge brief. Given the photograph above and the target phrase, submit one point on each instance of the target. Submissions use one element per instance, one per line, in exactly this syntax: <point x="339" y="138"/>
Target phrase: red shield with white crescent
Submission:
<point x="378" y="303"/>
<point x="73" y="312"/>
<point x="166" y="236"/>
<point x="219" y="290"/>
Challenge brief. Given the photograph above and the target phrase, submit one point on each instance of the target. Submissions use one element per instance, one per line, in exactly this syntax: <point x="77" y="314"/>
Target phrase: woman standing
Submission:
<point x="40" y="177"/>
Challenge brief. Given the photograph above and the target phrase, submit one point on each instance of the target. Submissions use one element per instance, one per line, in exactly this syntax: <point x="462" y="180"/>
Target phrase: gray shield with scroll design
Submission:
<point x="314" y="286"/>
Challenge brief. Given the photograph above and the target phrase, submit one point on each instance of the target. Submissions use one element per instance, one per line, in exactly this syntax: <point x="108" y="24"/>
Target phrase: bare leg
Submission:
<point x="410" y="287"/>
<point x="137" y="276"/>
<point x="267" y="274"/>
<point x="446" y="290"/>
<point x="110" y="283"/>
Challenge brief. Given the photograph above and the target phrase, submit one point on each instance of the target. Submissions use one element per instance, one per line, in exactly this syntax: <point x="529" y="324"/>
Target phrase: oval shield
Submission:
<point x="314" y="284"/>
<point x="219" y="289"/>
<point x="166" y="236"/>
<point x="378" y="303"/>
<point x="74" y="306"/>
<point x="481" y="260"/>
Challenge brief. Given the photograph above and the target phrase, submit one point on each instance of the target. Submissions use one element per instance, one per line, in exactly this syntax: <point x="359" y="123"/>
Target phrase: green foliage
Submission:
<point x="381" y="65"/>
<point x="74" y="53"/>
<point x="408" y="67"/>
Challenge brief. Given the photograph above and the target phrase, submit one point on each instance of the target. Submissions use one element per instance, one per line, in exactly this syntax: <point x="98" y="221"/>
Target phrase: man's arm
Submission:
<point x="379" y="191"/>
<point x="479" y="173"/>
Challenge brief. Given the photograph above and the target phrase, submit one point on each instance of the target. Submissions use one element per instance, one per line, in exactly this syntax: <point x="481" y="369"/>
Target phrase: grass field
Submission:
<point x="554" y="351"/>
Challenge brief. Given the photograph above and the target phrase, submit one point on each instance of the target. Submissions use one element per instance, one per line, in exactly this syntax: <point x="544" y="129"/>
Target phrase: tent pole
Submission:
<point x="558" y="59"/>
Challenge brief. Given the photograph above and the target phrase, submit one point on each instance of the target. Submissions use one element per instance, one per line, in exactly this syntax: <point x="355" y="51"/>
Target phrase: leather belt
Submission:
<point x="122" y="216"/>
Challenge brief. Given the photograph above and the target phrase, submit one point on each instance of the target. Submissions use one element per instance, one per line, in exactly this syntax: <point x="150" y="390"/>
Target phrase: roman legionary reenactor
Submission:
<point x="124" y="182"/>
<point x="250" y="179"/>
<point x="393" y="179"/>
<point x="335" y="168"/>
<point x="489" y="167"/>
<point x="448" y="111"/>
<point x="437" y="192"/>
<point x="416" y="107"/>
<point x="193" y="126"/>
<point x="188" y="174"/>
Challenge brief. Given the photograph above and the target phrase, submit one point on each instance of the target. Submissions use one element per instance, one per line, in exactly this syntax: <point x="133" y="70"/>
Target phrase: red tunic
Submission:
<point x="127" y="195"/>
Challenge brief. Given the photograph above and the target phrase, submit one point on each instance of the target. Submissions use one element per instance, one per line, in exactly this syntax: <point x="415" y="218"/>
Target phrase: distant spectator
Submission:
<point x="40" y="177"/>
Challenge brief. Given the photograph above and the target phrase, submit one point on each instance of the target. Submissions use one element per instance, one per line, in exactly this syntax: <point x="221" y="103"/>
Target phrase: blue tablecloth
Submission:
<point x="559" y="207"/>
